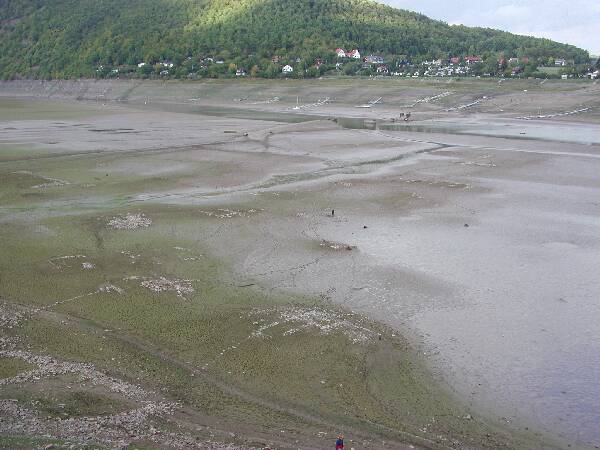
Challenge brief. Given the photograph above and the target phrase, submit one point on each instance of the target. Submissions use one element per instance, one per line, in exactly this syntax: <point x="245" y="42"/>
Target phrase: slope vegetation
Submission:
<point x="67" y="38"/>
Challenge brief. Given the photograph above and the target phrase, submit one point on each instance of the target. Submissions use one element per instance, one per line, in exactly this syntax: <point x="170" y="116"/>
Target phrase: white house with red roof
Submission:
<point x="473" y="59"/>
<point x="353" y="54"/>
<point x="340" y="52"/>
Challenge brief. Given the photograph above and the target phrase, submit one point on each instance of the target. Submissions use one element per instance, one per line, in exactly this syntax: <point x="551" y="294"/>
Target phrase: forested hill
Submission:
<point x="72" y="38"/>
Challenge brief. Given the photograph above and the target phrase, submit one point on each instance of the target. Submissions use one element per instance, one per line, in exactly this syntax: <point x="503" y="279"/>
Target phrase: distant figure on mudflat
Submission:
<point x="339" y="444"/>
<point x="333" y="213"/>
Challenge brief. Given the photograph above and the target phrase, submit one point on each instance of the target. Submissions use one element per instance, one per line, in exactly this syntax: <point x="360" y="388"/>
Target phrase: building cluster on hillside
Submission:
<point x="341" y="53"/>
<point x="453" y="66"/>
<point x="350" y="62"/>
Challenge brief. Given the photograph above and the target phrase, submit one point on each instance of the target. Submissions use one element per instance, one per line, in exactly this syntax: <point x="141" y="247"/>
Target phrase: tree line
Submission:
<point x="82" y="38"/>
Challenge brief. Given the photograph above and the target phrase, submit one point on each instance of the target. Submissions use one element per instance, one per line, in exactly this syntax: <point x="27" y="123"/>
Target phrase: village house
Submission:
<point x="593" y="75"/>
<point x="513" y="60"/>
<point x="383" y="69"/>
<point x="276" y="59"/>
<point x="560" y="62"/>
<point x="318" y="62"/>
<point x="355" y="54"/>
<point x="287" y="69"/>
<point x="455" y="60"/>
<point x="140" y="65"/>
<point x="472" y="59"/>
<point x="374" y="59"/>
<point x="340" y="52"/>
<point x="241" y="72"/>
<point x="167" y="64"/>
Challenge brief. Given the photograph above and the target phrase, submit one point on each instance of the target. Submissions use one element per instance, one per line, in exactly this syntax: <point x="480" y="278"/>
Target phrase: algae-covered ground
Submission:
<point x="173" y="280"/>
<point x="236" y="357"/>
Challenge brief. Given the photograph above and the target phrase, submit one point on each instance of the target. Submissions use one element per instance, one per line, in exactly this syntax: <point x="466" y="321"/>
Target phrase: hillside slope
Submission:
<point x="66" y="38"/>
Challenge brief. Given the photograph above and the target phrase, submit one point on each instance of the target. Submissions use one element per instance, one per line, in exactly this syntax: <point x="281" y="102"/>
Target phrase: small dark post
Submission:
<point x="333" y="213"/>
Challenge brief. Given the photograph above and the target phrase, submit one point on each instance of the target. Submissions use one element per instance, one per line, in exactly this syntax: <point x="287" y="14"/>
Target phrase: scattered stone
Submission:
<point x="87" y="266"/>
<point x="164" y="285"/>
<point x="51" y="182"/>
<point x="324" y="321"/>
<point x="336" y="245"/>
<point x="111" y="288"/>
<point x="130" y="222"/>
<point x="192" y="258"/>
<point x="10" y="315"/>
<point x="224" y="213"/>
<point x="114" y="431"/>
<point x="131" y="256"/>
<point x="61" y="262"/>
<point x="48" y="366"/>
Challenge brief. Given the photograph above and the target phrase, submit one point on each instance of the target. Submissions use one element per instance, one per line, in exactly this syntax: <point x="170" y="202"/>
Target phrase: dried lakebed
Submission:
<point x="206" y="268"/>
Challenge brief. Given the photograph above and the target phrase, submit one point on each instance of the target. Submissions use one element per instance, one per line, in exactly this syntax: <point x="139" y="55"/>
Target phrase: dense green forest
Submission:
<point x="84" y="38"/>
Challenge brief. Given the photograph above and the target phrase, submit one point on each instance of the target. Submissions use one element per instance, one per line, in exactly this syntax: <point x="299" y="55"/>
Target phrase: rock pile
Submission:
<point x="163" y="284"/>
<point x="140" y="423"/>
<point x="118" y="430"/>
<point x="110" y="288"/>
<point x="130" y="222"/>
<point x="50" y="367"/>
<point x="297" y="319"/>
<point x="10" y="315"/>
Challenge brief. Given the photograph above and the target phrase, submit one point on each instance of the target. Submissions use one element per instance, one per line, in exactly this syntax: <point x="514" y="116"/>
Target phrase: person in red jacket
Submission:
<point x="339" y="444"/>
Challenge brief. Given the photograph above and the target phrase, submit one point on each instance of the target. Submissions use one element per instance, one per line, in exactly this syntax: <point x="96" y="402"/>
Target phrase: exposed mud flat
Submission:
<point x="469" y="230"/>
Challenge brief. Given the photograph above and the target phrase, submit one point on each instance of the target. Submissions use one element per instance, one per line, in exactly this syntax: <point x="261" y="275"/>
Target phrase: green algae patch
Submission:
<point x="152" y="306"/>
<point x="10" y="367"/>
